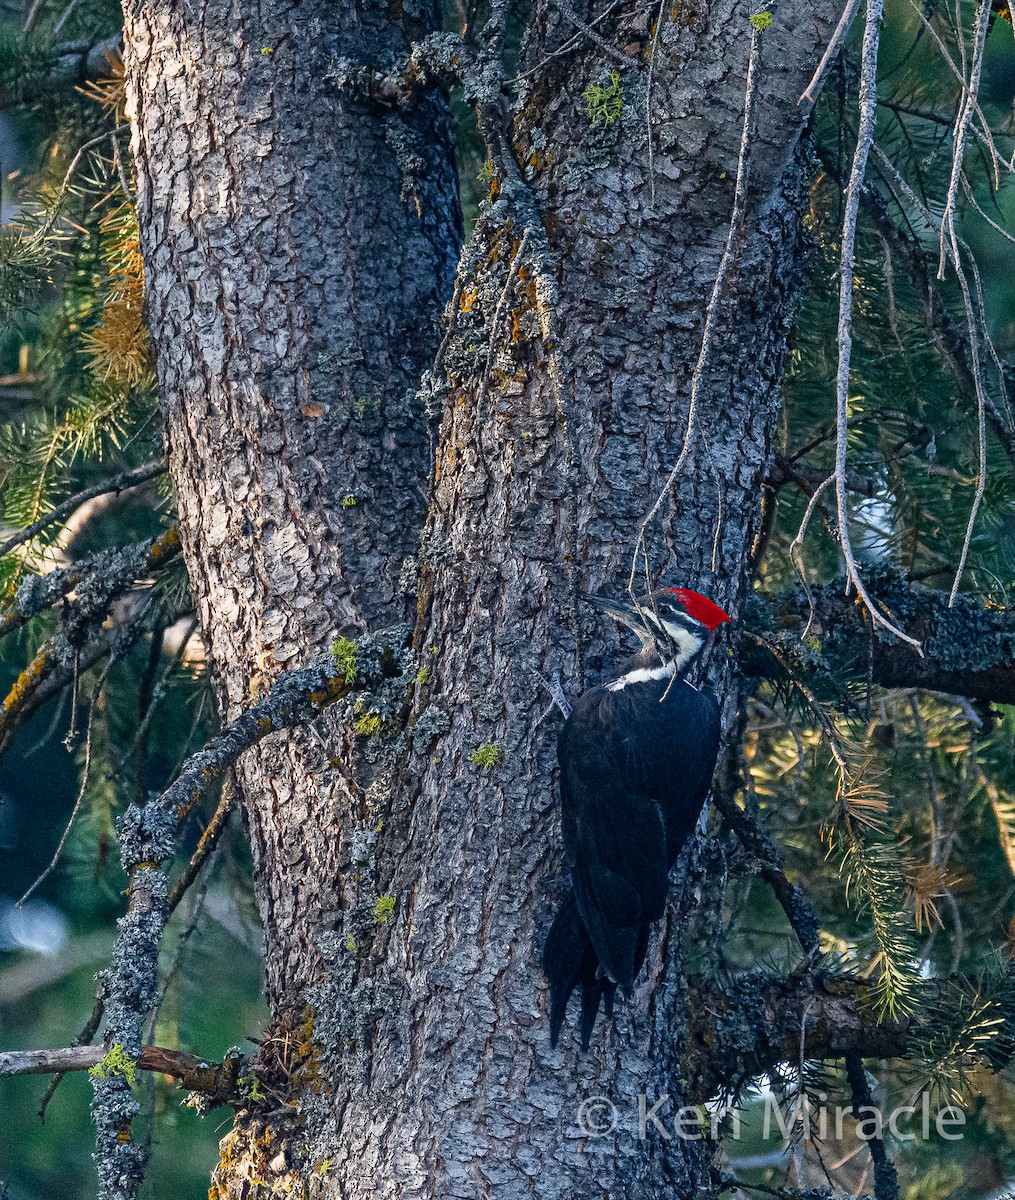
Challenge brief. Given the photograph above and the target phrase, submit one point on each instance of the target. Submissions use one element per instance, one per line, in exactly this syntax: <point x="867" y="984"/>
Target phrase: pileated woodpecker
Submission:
<point x="636" y="761"/>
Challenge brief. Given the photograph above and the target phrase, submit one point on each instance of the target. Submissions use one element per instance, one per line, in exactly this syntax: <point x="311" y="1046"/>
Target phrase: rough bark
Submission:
<point x="448" y="1087"/>
<point x="289" y="282"/>
<point x="298" y="253"/>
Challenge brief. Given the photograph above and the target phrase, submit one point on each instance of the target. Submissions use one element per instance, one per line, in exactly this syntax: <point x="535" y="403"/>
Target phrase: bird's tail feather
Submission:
<point x="569" y="961"/>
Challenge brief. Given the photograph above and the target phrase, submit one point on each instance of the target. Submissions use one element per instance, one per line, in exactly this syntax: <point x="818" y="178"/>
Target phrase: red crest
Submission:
<point x="701" y="608"/>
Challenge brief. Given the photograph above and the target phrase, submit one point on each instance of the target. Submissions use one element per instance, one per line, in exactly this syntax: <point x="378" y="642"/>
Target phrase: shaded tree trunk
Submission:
<point x="276" y="306"/>
<point x="296" y="269"/>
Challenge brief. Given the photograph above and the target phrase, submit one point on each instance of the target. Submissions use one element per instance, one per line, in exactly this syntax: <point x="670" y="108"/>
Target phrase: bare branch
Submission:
<point x="810" y="93"/>
<point x="865" y="139"/>
<point x="970" y="90"/>
<point x="216" y="1081"/>
<point x="122" y="483"/>
<point x="886" y="1181"/>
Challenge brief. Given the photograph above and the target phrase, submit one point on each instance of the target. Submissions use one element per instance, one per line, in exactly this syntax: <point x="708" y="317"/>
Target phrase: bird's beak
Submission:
<point x="620" y="610"/>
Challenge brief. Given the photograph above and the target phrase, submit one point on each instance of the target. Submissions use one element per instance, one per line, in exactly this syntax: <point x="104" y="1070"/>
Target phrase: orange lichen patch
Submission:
<point x="27" y="682"/>
<point x="313" y="409"/>
<point x="164" y="547"/>
<point x="468" y="299"/>
<point x="539" y="160"/>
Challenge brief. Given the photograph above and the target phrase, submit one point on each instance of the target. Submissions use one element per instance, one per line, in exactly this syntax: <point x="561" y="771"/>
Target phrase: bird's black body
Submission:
<point x="636" y="761"/>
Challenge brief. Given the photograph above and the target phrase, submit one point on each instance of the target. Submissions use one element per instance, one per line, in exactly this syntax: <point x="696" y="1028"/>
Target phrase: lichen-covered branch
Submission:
<point x="97" y="581"/>
<point x="969" y="649"/>
<point x="886" y="1179"/>
<point x="57" y="663"/>
<point x="148" y="835"/>
<point x="218" y="1082"/>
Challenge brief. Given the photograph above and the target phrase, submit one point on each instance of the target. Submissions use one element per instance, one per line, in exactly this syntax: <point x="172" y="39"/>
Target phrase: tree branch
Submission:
<point x="58" y="68"/>
<point x="969" y="650"/>
<point x="148" y="835"/>
<point x="98" y="580"/>
<point x="216" y="1081"/>
<point x="741" y="1029"/>
<point x="121" y="483"/>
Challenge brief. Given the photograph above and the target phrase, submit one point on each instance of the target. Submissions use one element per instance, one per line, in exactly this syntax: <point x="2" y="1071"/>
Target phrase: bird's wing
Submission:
<point x="673" y="757"/>
<point x="615" y="838"/>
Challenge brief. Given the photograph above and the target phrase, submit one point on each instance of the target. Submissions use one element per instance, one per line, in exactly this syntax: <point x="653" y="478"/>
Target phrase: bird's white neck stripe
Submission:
<point x="643" y="675"/>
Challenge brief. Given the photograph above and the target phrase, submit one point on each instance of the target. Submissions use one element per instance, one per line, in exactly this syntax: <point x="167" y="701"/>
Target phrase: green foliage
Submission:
<point x="761" y="21"/>
<point x="25" y="269"/>
<point x="604" y="102"/>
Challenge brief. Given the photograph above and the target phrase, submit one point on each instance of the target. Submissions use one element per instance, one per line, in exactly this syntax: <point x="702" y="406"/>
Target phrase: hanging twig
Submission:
<point x="796" y="546"/>
<point x="85" y="775"/>
<point x="988" y="135"/>
<point x="865" y="139"/>
<point x="810" y="93"/>
<point x="733" y="235"/>
<point x="970" y="90"/>
<point x="205" y="846"/>
<point x="983" y="399"/>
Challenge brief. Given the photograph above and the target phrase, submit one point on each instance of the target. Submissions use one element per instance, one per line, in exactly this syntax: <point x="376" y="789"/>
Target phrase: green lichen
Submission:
<point x="367" y="724"/>
<point x="349" y="501"/>
<point x="365" y="406"/>
<point x="351" y="944"/>
<point x="344" y="651"/>
<point x="485" y="756"/>
<point x="604" y="102"/>
<point x="115" y="1062"/>
<point x="384" y="909"/>
<point x="422" y="675"/>
<point x="761" y="21"/>
<point x="250" y="1087"/>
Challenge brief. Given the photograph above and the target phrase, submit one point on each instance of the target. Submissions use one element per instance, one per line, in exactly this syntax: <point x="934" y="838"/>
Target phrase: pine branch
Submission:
<point x="121" y="483"/>
<point x="31" y="69"/>
<point x="969" y="649"/>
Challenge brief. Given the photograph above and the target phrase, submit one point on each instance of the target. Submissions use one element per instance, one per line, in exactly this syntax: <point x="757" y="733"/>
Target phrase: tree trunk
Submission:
<point x="421" y="1061"/>
<point x="298" y="255"/>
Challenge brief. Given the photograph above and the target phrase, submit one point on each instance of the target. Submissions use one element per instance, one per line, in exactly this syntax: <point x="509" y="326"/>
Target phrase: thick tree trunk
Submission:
<point x="428" y="1071"/>
<point x="298" y="255"/>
